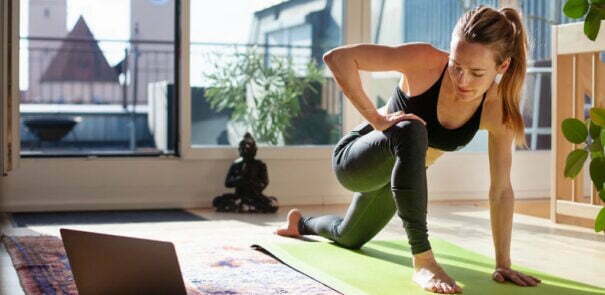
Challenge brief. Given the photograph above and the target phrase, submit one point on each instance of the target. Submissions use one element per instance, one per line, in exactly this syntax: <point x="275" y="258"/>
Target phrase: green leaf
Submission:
<point x="597" y="171"/>
<point x="597" y="115"/>
<point x="575" y="8"/>
<point x="575" y="162"/>
<point x="595" y="146"/>
<point x="574" y="130"/>
<point x="599" y="6"/>
<point x="602" y="195"/>
<point x="594" y="130"/>
<point x="599" y="223"/>
<point x="592" y="23"/>
<point x="596" y="149"/>
<point x="596" y="155"/>
<point x="602" y="137"/>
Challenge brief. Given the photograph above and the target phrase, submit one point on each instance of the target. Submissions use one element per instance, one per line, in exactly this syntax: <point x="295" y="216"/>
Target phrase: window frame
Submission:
<point x="10" y="139"/>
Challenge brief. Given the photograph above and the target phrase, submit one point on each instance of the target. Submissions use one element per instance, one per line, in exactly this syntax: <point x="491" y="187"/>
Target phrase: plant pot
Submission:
<point x="50" y="129"/>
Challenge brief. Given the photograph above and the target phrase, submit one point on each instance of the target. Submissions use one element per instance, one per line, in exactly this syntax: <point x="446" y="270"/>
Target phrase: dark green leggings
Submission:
<point x="386" y="170"/>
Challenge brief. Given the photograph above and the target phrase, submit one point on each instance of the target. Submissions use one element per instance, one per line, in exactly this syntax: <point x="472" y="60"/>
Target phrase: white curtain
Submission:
<point x="9" y="86"/>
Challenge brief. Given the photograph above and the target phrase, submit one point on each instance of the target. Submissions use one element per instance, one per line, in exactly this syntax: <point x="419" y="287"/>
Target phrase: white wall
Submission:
<point x="130" y="183"/>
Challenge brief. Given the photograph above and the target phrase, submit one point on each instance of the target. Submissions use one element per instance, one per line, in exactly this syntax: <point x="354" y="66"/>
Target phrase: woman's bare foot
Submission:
<point x="431" y="277"/>
<point x="292" y="228"/>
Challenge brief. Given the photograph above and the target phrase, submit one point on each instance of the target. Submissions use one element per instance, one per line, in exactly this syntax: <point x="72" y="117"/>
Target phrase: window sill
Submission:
<point x="270" y="153"/>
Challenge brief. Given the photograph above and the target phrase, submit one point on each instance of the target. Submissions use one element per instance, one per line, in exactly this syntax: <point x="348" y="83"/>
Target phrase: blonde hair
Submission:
<point x="502" y="31"/>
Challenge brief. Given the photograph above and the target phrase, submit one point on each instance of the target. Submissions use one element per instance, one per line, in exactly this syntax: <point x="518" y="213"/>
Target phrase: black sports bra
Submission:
<point x="425" y="106"/>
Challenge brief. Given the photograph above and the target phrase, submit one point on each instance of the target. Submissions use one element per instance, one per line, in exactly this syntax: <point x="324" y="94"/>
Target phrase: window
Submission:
<point x="539" y="17"/>
<point x="253" y="74"/>
<point x="90" y="86"/>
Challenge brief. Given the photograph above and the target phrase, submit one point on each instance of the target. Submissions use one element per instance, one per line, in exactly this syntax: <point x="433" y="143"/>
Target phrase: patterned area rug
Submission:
<point x="43" y="268"/>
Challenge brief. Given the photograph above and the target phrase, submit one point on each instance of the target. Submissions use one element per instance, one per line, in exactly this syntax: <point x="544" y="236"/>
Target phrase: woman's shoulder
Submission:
<point x="430" y="59"/>
<point x="420" y="56"/>
<point x="429" y="54"/>
<point x="426" y="69"/>
<point x="436" y="51"/>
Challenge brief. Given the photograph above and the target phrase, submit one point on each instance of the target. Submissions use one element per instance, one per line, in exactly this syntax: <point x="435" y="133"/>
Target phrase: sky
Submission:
<point x="211" y="21"/>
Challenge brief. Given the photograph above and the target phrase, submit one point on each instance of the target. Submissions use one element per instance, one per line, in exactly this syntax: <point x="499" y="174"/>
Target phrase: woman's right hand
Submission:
<point x="384" y="121"/>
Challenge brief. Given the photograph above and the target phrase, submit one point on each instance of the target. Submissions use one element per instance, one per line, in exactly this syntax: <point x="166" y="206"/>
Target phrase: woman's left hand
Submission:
<point x="502" y="274"/>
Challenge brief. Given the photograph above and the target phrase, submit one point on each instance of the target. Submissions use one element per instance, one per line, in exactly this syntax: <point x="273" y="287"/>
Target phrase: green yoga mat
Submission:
<point x="385" y="267"/>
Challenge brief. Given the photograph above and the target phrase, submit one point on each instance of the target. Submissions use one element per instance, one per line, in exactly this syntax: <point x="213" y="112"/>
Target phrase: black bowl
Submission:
<point x="50" y="129"/>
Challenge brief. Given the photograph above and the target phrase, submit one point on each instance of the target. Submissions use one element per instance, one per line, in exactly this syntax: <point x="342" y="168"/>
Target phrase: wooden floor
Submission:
<point x="567" y="251"/>
<point x="534" y="207"/>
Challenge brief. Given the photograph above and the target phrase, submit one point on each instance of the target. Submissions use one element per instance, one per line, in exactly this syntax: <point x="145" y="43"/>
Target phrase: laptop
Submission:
<point x="108" y="264"/>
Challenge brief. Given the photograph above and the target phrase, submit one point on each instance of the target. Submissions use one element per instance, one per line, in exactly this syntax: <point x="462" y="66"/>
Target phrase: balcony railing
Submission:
<point x="108" y="85"/>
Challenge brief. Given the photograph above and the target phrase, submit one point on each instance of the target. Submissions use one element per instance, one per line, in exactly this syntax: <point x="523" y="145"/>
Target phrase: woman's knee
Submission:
<point x="351" y="242"/>
<point x="408" y="133"/>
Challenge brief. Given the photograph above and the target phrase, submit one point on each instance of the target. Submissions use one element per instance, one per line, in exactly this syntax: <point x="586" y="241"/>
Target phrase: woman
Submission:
<point x="441" y="101"/>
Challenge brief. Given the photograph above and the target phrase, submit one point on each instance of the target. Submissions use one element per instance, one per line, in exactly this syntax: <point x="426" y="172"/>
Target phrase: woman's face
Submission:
<point x="472" y="69"/>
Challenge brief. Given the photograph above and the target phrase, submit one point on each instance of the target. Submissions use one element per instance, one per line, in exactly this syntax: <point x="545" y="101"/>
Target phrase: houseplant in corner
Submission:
<point x="577" y="131"/>
<point x="594" y="10"/>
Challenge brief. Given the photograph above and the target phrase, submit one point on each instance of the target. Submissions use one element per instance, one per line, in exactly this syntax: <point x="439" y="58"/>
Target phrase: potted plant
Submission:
<point x="594" y="10"/>
<point x="265" y="98"/>
<point x="577" y="131"/>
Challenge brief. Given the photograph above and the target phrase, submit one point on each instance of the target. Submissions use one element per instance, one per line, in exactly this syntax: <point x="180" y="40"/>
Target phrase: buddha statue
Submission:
<point x="249" y="178"/>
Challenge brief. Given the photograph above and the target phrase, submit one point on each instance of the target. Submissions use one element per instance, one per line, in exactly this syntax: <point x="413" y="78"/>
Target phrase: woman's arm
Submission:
<point x="501" y="197"/>
<point x="501" y="201"/>
<point x="345" y="62"/>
